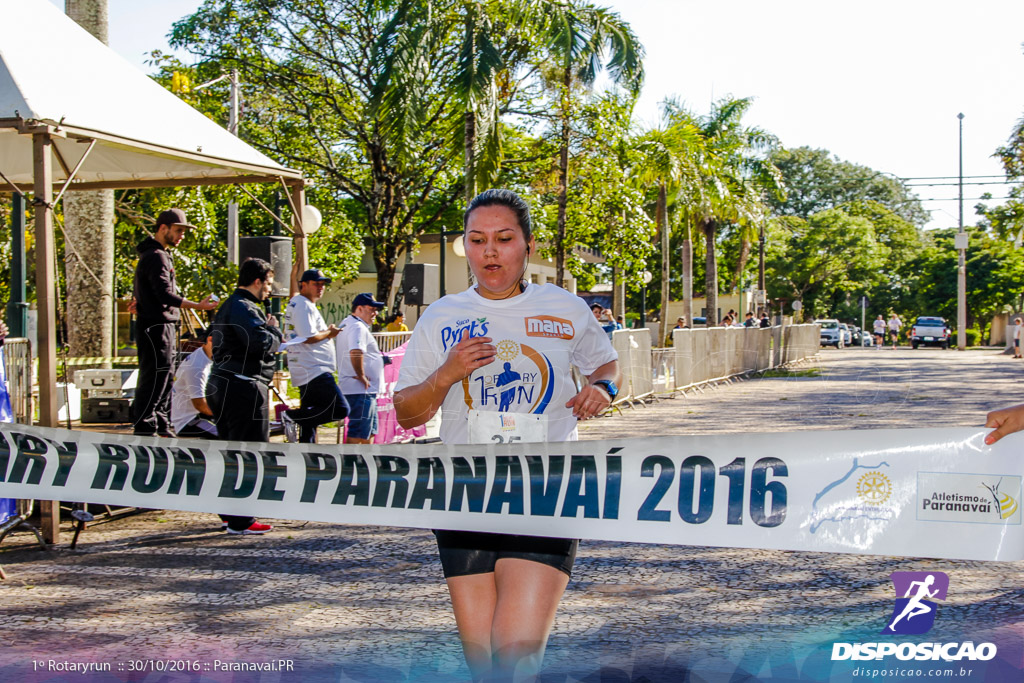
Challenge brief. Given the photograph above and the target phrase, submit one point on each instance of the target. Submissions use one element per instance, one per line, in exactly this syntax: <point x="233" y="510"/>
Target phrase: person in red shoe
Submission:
<point x="245" y="341"/>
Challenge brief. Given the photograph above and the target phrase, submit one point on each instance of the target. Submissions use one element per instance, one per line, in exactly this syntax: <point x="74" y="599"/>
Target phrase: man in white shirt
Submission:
<point x="879" y="329"/>
<point x="190" y="414"/>
<point x="360" y="368"/>
<point x="311" y="361"/>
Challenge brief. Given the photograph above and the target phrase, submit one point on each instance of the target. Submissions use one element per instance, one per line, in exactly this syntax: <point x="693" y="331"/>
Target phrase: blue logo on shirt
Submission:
<point x="450" y="336"/>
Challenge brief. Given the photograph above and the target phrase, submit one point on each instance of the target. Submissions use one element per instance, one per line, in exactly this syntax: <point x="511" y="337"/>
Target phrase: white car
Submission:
<point x="831" y="333"/>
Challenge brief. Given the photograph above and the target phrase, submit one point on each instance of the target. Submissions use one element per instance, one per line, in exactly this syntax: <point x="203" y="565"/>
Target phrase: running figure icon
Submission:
<point x="915" y="607"/>
<point x="506" y="378"/>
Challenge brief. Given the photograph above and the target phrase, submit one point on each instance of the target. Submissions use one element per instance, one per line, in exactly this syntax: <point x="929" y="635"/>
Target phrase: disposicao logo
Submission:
<point x="913" y="614"/>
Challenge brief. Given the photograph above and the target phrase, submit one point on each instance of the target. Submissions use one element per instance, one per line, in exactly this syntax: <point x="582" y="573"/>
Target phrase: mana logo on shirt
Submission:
<point x="549" y="326"/>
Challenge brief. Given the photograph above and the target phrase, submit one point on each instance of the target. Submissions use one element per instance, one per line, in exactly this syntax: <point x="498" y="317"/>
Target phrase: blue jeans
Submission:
<point x="362" y="415"/>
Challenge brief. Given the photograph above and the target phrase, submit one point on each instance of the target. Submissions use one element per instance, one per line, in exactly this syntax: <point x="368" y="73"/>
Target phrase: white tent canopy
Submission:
<point x="54" y="72"/>
<point x="70" y="107"/>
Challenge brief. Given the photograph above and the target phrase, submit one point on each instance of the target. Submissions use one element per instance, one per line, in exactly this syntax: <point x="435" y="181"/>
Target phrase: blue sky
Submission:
<point x="876" y="82"/>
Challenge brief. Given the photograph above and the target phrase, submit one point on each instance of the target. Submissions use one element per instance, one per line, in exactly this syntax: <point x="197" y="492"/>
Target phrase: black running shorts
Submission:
<point x="473" y="552"/>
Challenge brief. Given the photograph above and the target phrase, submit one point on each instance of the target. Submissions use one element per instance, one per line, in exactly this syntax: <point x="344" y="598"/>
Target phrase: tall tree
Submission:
<point x="817" y="180"/>
<point x="89" y="236"/>
<point x="732" y="175"/>
<point x="668" y="155"/>
<point x="811" y="259"/>
<point x="580" y="40"/>
<point x="355" y="93"/>
<point x="996" y="271"/>
<point x="1007" y="220"/>
<point x="490" y="49"/>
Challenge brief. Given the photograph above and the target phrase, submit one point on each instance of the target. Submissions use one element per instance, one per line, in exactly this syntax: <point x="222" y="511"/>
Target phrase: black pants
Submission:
<point x="152" y="405"/>
<point x="240" y="412"/>
<point x="321" y="402"/>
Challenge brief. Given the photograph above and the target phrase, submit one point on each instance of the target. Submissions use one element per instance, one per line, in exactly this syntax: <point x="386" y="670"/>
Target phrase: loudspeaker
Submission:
<point x="421" y="283"/>
<point x="274" y="249"/>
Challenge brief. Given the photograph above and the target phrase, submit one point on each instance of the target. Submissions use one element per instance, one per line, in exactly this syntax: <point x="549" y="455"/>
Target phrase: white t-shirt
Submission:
<point x="895" y="324"/>
<point x="879" y="326"/>
<point x="539" y="335"/>
<point x="356" y="334"/>
<point x="189" y="383"/>
<point x="306" y="362"/>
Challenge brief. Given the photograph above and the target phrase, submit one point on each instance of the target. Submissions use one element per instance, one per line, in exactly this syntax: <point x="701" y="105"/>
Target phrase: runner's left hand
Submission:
<point x="591" y="401"/>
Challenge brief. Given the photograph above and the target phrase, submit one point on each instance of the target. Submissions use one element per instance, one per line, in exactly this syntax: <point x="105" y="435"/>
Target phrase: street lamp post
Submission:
<point x="445" y="234"/>
<point x="961" y="245"/>
<point x="233" y="112"/>
<point x="643" y="298"/>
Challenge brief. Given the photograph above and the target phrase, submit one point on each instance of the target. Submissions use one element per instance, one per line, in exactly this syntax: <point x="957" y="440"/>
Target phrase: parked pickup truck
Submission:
<point x="929" y="331"/>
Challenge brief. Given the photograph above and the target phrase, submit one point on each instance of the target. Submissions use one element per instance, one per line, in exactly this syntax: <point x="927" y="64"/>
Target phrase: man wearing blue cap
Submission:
<point x="360" y="368"/>
<point x="311" y="361"/>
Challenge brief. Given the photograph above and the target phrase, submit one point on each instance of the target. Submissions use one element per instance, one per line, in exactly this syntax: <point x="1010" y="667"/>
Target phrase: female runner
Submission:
<point x="506" y="346"/>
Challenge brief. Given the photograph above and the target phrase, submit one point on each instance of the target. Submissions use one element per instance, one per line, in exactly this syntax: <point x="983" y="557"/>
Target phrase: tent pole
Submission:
<point x="46" y="304"/>
<point x="300" y="262"/>
<point x="17" y="309"/>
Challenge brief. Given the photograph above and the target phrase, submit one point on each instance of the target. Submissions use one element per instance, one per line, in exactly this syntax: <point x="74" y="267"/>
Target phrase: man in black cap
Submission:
<point x="360" y="368"/>
<point x="245" y="342"/>
<point x="157" y="304"/>
<point x="311" y="361"/>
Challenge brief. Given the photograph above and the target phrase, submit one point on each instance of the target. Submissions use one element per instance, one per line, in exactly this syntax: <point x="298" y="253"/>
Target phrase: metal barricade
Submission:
<point x="389" y="341"/>
<point x="18" y="364"/>
<point x="663" y="362"/>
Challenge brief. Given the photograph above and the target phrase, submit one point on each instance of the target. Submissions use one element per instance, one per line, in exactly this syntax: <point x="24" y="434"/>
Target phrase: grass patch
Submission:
<point x="787" y="372"/>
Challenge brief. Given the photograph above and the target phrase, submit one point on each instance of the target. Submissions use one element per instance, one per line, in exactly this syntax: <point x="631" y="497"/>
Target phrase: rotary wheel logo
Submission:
<point x="874" y="488"/>
<point x="507" y="349"/>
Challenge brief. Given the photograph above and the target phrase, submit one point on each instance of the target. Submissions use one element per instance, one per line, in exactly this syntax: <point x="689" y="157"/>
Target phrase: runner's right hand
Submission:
<point x="466" y="356"/>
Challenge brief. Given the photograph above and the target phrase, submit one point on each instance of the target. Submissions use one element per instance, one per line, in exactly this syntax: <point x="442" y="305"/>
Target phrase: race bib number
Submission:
<point x="490" y="427"/>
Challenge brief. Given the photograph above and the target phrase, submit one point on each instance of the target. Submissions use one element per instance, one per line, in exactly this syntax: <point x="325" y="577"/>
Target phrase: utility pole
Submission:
<point x="233" y="129"/>
<point x="961" y="246"/>
<point x="233" y="206"/>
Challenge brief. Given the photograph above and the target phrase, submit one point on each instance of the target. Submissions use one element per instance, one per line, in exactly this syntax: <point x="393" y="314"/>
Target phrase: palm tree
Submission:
<point x="733" y="177"/>
<point x="580" y="40"/>
<point x="668" y="156"/>
<point x="89" y="236"/>
<point x="475" y="86"/>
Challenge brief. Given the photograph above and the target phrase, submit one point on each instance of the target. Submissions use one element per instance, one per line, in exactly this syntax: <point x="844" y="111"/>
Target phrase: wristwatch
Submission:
<point x="608" y="386"/>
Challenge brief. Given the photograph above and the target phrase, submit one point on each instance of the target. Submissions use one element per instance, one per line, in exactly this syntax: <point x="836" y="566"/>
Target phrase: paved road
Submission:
<point x="368" y="604"/>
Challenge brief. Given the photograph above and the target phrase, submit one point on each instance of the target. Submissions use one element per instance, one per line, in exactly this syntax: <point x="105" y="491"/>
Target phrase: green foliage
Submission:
<point x="355" y="94"/>
<point x="972" y="337"/>
<point x="816" y="180"/>
<point x="812" y="259"/>
<point x="995" y="277"/>
<point x="604" y="209"/>
<point x="5" y="252"/>
<point x="575" y="41"/>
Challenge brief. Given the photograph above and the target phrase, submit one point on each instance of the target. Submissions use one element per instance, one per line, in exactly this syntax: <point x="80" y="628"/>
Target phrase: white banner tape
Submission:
<point x="925" y="493"/>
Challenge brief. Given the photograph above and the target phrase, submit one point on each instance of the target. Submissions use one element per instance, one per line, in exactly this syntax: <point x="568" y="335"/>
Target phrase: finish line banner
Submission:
<point x="920" y="492"/>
